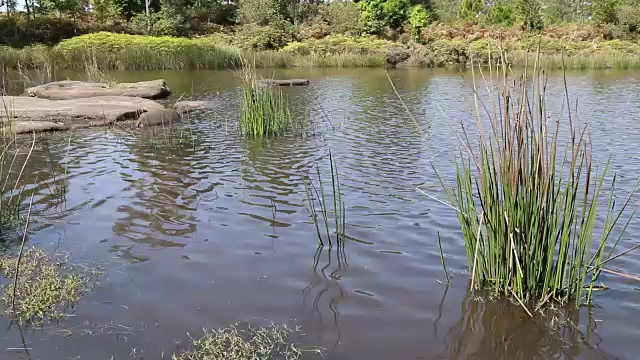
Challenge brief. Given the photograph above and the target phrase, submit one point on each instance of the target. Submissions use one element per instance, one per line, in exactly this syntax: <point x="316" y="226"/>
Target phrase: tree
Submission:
<point x="418" y="20"/>
<point x="469" y="9"/>
<point x="376" y="14"/>
<point x="105" y="11"/>
<point x="530" y="15"/>
<point x="502" y="13"/>
<point x="604" y="11"/>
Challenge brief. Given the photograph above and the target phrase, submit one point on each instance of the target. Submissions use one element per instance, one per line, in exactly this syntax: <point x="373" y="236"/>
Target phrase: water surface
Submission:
<point x="202" y="228"/>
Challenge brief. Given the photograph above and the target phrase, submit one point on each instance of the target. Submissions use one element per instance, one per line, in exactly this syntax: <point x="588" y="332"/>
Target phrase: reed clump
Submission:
<point x="529" y="198"/>
<point x="265" y="110"/>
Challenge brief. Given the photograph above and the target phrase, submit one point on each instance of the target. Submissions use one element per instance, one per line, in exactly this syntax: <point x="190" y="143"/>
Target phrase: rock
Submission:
<point x="35" y="114"/>
<point x="164" y="117"/>
<point x="22" y="127"/>
<point x="288" y="82"/>
<point x="397" y="55"/>
<point x="67" y="89"/>
<point x="188" y="105"/>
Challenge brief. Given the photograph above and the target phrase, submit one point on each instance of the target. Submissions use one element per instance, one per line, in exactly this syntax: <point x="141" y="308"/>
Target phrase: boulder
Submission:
<point x="164" y="117"/>
<point x="287" y="82"/>
<point x="68" y="89"/>
<point x="396" y="56"/>
<point x="188" y="105"/>
<point x="35" y="114"/>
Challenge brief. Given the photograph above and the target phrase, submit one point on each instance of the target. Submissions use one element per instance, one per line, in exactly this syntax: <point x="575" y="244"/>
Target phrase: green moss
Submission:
<point x="47" y="285"/>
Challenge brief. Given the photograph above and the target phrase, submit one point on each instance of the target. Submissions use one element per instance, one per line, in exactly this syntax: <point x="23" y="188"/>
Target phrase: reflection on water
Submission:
<point x="200" y="228"/>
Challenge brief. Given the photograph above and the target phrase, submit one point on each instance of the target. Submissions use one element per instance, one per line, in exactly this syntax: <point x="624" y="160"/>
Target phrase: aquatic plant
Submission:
<point x="243" y="342"/>
<point x="318" y="202"/>
<point x="46" y="285"/>
<point x="528" y="200"/>
<point x="265" y="110"/>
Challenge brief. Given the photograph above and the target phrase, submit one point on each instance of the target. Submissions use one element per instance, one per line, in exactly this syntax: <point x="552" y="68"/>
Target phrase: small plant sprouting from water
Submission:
<point x="319" y="199"/>
<point x="243" y="342"/>
<point x="265" y="111"/>
<point x="527" y="202"/>
<point x="45" y="287"/>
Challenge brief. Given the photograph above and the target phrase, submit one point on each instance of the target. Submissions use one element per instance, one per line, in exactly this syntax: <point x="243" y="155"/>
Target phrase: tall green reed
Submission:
<point x="528" y="200"/>
<point x="265" y="111"/>
<point x="319" y="201"/>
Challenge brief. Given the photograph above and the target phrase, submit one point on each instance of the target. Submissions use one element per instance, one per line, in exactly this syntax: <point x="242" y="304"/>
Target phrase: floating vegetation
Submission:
<point x="528" y="201"/>
<point x="265" y="111"/>
<point x="45" y="287"/>
<point x="318" y="202"/>
<point x="244" y="342"/>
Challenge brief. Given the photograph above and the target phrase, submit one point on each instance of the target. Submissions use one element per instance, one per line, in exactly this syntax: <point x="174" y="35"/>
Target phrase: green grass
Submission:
<point x="46" y="286"/>
<point x="265" y="110"/>
<point x="243" y="342"/>
<point x="528" y="201"/>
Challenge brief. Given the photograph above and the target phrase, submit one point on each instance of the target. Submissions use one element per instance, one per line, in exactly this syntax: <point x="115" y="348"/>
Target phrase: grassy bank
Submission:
<point x="439" y="48"/>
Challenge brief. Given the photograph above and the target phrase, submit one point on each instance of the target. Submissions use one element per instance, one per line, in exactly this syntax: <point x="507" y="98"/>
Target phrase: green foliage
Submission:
<point x="122" y="51"/>
<point x="46" y="286"/>
<point x="604" y="11"/>
<point x="529" y="13"/>
<point x="265" y="12"/>
<point x="418" y="20"/>
<point x="342" y="16"/>
<point x="341" y="44"/>
<point x="629" y="18"/>
<point x="265" y="37"/>
<point x="242" y="343"/>
<point x="376" y="14"/>
<point x="265" y="111"/>
<point x="502" y="13"/>
<point x="528" y="204"/>
<point x="106" y="12"/>
<point x="470" y="9"/>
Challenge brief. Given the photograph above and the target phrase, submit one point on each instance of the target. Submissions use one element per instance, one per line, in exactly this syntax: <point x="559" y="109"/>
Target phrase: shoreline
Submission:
<point x="112" y="51"/>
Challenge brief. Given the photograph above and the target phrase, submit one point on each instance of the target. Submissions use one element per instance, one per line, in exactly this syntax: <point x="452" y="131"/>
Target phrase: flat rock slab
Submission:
<point x="288" y="82"/>
<point x="68" y="89"/>
<point x="35" y="114"/>
<point x="188" y="105"/>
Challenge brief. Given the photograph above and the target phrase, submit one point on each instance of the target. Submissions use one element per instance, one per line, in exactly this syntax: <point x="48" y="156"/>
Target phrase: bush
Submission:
<point x="341" y="44"/>
<point x="418" y="20"/>
<point x="470" y="9"/>
<point x="376" y="14"/>
<point x="265" y="37"/>
<point x="502" y="13"/>
<point x="530" y="15"/>
<point x="343" y="17"/>
<point x="629" y="18"/>
<point x="604" y="11"/>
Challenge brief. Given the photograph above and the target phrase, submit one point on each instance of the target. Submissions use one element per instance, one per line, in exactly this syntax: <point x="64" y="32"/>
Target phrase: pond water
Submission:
<point x="201" y="228"/>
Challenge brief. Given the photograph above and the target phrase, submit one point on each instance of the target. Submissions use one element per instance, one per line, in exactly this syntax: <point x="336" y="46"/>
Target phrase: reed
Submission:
<point x="265" y="110"/>
<point x="319" y="201"/>
<point x="528" y="199"/>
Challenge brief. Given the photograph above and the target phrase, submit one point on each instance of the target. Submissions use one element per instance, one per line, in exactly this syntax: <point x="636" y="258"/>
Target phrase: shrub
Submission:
<point x="629" y="18"/>
<point x="343" y="17"/>
<point x="106" y="12"/>
<point x="418" y="20"/>
<point x="604" y="11"/>
<point x="264" y="37"/>
<point x="502" y="13"/>
<point x="470" y="9"/>
<point x="376" y="14"/>
<point x="530" y="14"/>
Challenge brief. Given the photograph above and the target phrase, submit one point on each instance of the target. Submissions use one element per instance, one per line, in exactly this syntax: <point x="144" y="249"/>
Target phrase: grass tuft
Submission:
<point x="528" y="199"/>
<point x="244" y="343"/>
<point x="265" y="110"/>
<point x="318" y="203"/>
<point x="46" y="286"/>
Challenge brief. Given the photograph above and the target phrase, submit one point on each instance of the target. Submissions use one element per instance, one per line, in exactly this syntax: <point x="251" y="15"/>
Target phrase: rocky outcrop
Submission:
<point x="165" y="117"/>
<point x="288" y="82"/>
<point x="188" y="105"/>
<point x="67" y="89"/>
<point x="34" y="114"/>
